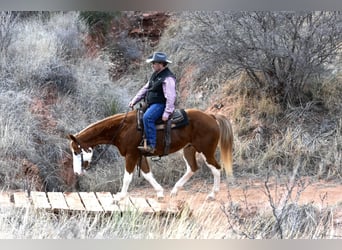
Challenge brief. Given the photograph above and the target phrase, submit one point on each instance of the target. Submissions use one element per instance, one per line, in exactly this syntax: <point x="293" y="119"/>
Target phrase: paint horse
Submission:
<point x="203" y="134"/>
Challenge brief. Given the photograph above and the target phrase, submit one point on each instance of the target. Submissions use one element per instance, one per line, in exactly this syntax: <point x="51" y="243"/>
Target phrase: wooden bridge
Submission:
<point x="81" y="201"/>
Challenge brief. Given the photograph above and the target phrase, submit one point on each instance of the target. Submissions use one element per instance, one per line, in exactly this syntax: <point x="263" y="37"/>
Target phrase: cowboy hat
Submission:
<point x="158" y="57"/>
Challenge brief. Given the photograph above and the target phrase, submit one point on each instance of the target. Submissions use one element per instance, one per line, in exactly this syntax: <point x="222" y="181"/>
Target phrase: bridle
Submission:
<point x="81" y="151"/>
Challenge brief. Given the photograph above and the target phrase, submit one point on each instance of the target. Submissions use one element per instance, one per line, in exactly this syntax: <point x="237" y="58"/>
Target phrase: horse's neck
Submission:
<point x="101" y="132"/>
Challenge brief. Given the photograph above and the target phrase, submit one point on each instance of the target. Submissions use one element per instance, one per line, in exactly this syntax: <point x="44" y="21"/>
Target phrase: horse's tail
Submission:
<point x="226" y="143"/>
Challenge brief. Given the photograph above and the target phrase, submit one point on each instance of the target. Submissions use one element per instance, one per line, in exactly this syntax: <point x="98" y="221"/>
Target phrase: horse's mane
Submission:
<point x="112" y="118"/>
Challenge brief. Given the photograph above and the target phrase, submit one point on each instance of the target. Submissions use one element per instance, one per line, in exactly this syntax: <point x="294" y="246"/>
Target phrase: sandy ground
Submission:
<point x="250" y="194"/>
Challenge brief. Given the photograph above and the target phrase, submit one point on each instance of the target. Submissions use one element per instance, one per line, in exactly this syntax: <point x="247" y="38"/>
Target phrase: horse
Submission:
<point x="203" y="134"/>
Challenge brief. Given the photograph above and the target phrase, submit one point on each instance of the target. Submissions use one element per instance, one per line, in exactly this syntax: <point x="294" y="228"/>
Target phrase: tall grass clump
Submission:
<point x="269" y="135"/>
<point x="41" y="50"/>
<point x="49" y="87"/>
<point x="261" y="146"/>
<point x="297" y="221"/>
<point x="36" y="60"/>
<point x="17" y="140"/>
<point x="283" y="215"/>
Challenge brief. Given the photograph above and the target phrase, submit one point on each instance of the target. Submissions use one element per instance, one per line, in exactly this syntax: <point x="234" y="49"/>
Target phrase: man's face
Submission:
<point x="157" y="66"/>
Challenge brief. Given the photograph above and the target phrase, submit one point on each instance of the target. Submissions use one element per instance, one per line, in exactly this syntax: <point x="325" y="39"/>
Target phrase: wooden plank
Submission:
<point x="90" y="201"/>
<point x="74" y="201"/>
<point x="141" y="205"/>
<point x="5" y="200"/>
<point x="57" y="200"/>
<point x="107" y="202"/>
<point x="39" y="200"/>
<point x="99" y="201"/>
<point x="126" y="205"/>
<point x="21" y="199"/>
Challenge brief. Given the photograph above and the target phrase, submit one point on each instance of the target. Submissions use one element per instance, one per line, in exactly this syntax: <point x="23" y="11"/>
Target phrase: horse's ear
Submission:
<point x="72" y="137"/>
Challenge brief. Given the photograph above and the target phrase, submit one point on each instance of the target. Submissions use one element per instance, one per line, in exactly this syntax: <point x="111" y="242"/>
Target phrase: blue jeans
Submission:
<point x="151" y="115"/>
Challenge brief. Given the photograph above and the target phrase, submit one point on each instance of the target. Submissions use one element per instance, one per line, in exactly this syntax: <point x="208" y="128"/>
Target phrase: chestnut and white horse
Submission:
<point x="203" y="134"/>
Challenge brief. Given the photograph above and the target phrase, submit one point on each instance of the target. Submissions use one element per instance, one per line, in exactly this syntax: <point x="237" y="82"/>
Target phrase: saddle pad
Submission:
<point x="179" y="119"/>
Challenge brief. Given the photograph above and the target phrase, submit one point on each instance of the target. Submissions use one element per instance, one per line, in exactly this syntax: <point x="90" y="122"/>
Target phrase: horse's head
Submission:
<point x="81" y="156"/>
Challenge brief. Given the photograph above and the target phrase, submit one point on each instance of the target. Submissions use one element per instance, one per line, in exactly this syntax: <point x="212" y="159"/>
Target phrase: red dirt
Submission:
<point x="251" y="197"/>
<point x="320" y="193"/>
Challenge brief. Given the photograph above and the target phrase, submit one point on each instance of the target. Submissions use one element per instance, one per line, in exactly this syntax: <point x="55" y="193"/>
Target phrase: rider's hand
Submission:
<point x="131" y="104"/>
<point x="165" y="118"/>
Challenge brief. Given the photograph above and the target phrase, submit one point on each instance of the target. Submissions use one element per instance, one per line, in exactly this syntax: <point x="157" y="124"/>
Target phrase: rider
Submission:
<point x="160" y="95"/>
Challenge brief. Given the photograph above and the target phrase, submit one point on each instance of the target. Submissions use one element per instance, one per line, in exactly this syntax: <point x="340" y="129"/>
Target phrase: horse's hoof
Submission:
<point x="210" y="197"/>
<point x="118" y="197"/>
<point x="231" y="180"/>
<point x="160" y="195"/>
<point x="116" y="200"/>
<point x="174" y="193"/>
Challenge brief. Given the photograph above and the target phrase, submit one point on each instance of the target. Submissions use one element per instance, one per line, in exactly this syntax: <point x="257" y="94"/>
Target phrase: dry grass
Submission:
<point x="281" y="218"/>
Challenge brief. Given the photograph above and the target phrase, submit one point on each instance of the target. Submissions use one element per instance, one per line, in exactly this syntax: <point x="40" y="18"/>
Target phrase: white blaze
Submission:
<point x="77" y="160"/>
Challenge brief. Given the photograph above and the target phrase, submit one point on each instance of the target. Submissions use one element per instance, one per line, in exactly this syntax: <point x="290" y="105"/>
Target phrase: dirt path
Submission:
<point x="251" y="194"/>
<point x="320" y="193"/>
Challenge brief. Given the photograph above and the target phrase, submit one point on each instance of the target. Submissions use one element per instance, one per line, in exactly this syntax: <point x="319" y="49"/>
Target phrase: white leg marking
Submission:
<point x="180" y="183"/>
<point x="217" y="179"/>
<point x="149" y="177"/>
<point x="124" y="190"/>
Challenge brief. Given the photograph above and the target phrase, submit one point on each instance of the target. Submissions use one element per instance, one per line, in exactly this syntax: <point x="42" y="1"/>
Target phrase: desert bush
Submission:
<point x="259" y="151"/>
<point x="7" y="22"/>
<point x="280" y="51"/>
<point x="47" y="63"/>
<point x="95" y="96"/>
<point x="287" y="218"/>
<point x="33" y="61"/>
<point x="40" y="52"/>
<point x="17" y="140"/>
<point x="329" y="91"/>
<point x="298" y="222"/>
<point x="98" y="21"/>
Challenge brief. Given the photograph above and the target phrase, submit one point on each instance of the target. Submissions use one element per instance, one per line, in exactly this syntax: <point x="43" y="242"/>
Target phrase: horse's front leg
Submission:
<point x="125" y="184"/>
<point x="146" y="172"/>
<point x="127" y="179"/>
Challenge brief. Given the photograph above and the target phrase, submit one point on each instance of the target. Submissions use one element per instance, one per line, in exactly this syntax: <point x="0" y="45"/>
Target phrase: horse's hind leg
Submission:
<point x="146" y="172"/>
<point x="215" y="169"/>
<point x="189" y="153"/>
